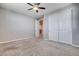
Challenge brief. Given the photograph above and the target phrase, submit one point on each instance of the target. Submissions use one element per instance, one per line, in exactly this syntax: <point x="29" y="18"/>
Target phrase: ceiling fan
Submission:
<point x="35" y="7"/>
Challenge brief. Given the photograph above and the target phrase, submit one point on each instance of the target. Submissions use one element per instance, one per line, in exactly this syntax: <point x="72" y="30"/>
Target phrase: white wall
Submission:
<point x="15" y="26"/>
<point x="36" y="28"/>
<point x="45" y="27"/>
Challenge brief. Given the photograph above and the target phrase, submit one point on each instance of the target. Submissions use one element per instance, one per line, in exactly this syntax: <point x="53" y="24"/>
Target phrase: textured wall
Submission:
<point x="15" y="26"/>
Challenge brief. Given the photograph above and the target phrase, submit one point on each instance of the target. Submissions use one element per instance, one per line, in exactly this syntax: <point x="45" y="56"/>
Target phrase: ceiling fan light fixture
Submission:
<point x="35" y="8"/>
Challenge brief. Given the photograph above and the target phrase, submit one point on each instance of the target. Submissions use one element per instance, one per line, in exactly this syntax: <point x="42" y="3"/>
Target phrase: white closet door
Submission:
<point x="65" y="28"/>
<point x="53" y="27"/>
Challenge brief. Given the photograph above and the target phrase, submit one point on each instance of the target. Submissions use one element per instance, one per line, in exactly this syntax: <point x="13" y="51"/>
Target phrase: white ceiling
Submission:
<point x="22" y="8"/>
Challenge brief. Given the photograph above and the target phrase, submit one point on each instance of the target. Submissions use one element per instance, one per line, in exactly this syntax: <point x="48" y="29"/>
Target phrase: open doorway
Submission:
<point x="41" y="29"/>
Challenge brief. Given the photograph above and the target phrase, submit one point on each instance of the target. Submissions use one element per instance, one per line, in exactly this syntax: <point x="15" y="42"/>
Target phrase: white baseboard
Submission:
<point x="15" y="40"/>
<point x="75" y="45"/>
<point x="65" y="42"/>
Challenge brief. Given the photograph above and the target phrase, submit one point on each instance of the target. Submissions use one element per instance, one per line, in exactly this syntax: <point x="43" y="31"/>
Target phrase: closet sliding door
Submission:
<point x="65" y="26"/>
<point x="60" y="26"/>
<point x="53" y="27"/>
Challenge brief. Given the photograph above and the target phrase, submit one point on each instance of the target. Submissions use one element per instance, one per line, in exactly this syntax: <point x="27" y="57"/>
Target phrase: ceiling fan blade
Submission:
<point x="30" y="9"/>
<point x="36" y="11"/>
<point x="41" y="8"/>
<point x="38" y="3"/>
<point x="30" y="4"/>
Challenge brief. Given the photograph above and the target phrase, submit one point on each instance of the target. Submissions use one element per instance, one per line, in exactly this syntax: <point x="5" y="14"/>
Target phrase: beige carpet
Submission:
<point x="32" y="47"/>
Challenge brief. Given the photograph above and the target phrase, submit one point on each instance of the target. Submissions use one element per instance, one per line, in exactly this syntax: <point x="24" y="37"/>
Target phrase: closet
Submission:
<point x="60" y="26"/>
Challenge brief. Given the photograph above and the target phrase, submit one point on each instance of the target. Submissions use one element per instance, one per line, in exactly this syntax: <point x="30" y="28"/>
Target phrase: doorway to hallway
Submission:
<point x="39" y="28"/>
